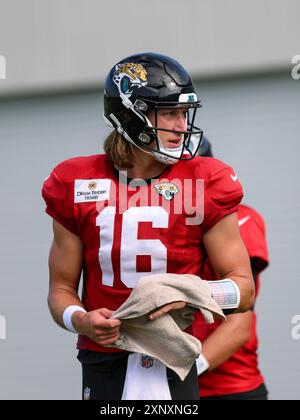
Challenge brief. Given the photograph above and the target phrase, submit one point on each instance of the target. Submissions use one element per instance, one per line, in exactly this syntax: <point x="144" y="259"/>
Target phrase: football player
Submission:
<point x="228" y="365"/>
<point x="147" y="205"/>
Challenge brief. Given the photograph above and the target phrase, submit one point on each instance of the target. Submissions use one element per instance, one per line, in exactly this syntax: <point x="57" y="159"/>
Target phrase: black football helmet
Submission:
<point x="205" y="148"/>
<point x="145" y="82"/>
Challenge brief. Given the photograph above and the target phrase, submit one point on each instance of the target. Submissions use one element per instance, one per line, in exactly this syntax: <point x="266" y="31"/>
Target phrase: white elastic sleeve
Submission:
<point x="67" y="317"/>
<point x="226" y="293"/>
<point x="202" y="364"/>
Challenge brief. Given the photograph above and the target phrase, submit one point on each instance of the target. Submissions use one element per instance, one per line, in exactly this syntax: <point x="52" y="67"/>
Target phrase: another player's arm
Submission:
<point x="227" y="339"/>
<point x="65" y="265"/>
<point x="229" y="258"/>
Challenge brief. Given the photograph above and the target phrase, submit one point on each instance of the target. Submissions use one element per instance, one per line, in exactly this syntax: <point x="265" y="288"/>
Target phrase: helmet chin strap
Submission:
<point x="157" y="156"/>
<point x="168" y="160"/>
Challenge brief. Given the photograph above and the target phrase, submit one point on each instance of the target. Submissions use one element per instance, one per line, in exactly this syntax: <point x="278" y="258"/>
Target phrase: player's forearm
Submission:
<point x="246" y="287"/>
<point x="59" y="299"/>
<point x="227" y="339"/>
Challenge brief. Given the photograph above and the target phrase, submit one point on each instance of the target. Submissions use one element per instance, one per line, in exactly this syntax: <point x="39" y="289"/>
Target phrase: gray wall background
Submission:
<point x="66" y="44"/>
<point x="253" y="122"/>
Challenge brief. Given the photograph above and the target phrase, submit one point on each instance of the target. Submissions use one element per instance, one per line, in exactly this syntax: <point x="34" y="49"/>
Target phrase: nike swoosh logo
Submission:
<point x="244" y="220"/>
<point x="234" y="177"/>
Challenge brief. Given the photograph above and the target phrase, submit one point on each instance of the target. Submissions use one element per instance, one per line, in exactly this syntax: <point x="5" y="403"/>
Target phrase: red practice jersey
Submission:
<point x="240" y="373"/>
<point x="131" y="230"/>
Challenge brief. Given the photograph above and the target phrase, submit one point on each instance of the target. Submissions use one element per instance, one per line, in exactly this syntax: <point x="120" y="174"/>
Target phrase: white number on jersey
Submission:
<point x="131" y="246"/>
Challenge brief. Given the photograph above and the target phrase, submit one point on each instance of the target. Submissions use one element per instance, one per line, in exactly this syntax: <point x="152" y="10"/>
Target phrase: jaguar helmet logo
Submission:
<point x="128" y="76"/>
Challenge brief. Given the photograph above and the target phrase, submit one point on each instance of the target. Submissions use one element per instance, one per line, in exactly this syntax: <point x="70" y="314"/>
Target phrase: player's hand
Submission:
<point x="167" y="308"/>
<point x="97" y="326"/>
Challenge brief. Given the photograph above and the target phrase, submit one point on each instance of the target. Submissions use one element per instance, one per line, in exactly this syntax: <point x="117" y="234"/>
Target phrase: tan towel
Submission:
<point x="163" y="338"/>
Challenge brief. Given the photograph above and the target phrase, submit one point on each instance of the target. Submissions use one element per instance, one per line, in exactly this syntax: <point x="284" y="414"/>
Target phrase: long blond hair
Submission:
<point x="119" y="151"/>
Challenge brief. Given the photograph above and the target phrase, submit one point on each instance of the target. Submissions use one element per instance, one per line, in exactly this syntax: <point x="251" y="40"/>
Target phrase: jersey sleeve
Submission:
<point x="253" y="233"/>
<point x="223" y="194"/>
<point x="59" y="197"/>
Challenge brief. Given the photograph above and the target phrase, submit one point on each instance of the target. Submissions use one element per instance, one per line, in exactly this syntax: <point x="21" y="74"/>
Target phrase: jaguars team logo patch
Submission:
<point x="147" y="361"/>
<point x="128" y="76"/>
<point x="167" y="190"/>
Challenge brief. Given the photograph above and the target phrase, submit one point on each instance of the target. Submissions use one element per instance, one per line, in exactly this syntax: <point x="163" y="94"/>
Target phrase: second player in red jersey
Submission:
<point x="231" y="348"/>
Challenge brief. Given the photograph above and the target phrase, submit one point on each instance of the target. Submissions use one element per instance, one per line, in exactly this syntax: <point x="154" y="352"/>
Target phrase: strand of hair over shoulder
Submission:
<point x="119" y="151"/>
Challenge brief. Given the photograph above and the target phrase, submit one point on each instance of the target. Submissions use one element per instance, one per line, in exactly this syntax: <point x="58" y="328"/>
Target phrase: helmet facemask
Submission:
<point x="150" y="141"/>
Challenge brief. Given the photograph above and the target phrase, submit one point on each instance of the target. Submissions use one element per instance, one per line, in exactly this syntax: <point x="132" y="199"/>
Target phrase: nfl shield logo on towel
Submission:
<point x="147" y="361"/>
